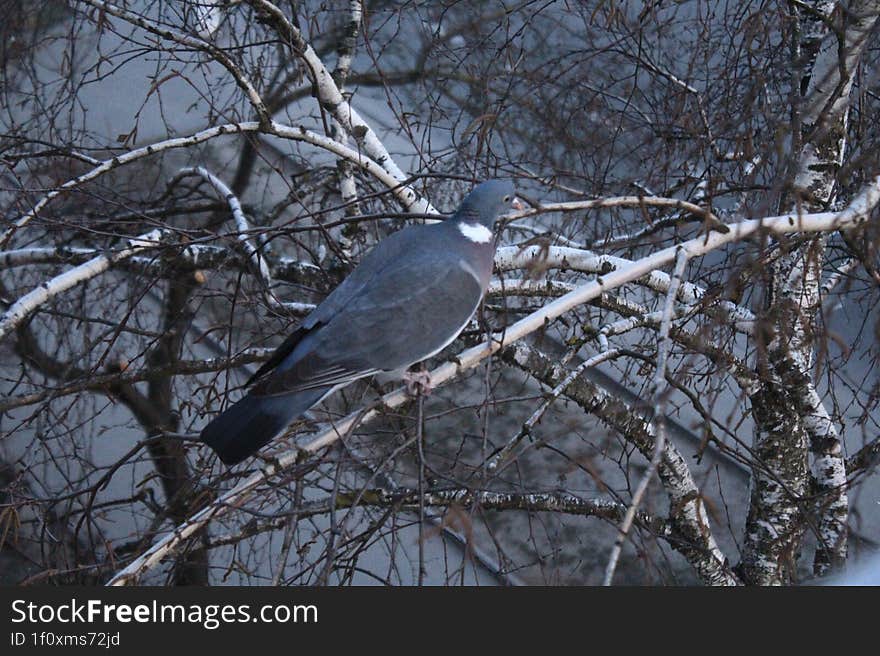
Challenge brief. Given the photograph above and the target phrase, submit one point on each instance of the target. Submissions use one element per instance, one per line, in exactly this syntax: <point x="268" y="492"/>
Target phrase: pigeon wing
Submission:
<point x="386" y="252"/>
<point x="412" y="310"/>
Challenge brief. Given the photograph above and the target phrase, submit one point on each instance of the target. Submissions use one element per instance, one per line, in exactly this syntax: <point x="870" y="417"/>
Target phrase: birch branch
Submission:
<point x="241" y="223"/>
<point x="839" y="275"/>
<point x="101" y="382"/>
<point x="637" y="317"/>
<point x="825" y="120"/>
<point x="658" y="384"/>
<point x="825" y="113"/>
<point x="345" y="55"/>
<point x="580" y="259"/>
<point x="865" y="459"/>
<point x="524" y="287"/>
<point x="45" y="255"/>
<point x="410" y="499"/>
<point x="30" y="302"/>
<point x="190" y="257"/>
<point x="189" y="41"/>
<point x="404" y="193"/>
<point x="332" y="100"/>
<point x="689" y="523"/>
<point x="620" y="201"/>
<point x="121" y="160"/>
<point x="256" y="258"/>
<point x="501" y="457"/>
<point x="856" y="214"/>
<point x="627" y="324"/>
<point x="828" y="465"/>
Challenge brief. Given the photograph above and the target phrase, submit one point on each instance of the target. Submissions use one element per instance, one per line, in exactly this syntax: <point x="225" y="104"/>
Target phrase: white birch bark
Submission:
<point x="345" y="55"/>
<point x="856" y="214"/>
<point x="658" y="419"/>
<point x="403" y="193"/>
<point x="688" y="519"/>
<point x="30" y="302"/>
<point x="336" y="105"/>
<point x="790" y="419"/>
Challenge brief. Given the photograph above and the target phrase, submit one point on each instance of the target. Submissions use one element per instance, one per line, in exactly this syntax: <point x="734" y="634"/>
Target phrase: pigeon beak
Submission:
<point x="517" y="204"/>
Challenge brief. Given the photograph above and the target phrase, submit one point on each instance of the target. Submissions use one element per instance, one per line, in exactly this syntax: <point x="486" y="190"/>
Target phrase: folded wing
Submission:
<point x="409" y="312"/>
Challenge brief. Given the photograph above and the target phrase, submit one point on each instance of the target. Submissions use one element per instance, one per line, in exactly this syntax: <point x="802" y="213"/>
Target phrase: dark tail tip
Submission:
<point x="243" y="429"/>
<point x="247" y="426"/>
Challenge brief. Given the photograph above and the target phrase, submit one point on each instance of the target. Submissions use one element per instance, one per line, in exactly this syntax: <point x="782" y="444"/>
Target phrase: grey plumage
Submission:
<point x="408" y="299"/>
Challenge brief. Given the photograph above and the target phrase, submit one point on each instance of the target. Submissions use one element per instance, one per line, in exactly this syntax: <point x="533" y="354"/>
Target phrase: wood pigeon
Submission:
<point x="409" y="298"/>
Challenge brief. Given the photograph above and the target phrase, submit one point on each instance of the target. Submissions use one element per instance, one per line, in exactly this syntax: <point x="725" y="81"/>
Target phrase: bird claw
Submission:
<point x="418" y="383"/>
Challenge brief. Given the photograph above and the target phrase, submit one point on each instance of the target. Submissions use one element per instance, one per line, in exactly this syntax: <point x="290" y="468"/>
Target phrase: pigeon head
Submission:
<point x="485" y="203"/>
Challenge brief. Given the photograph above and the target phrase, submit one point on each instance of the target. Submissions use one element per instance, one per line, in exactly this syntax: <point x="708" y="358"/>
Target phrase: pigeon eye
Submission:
<point x="507" y="199"/>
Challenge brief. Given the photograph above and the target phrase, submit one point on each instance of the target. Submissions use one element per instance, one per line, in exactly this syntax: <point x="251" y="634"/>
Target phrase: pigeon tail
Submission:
<point x="245" y="427"/>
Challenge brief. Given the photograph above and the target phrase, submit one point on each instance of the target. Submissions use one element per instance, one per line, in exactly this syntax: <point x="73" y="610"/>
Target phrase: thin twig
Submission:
<point x="659" y="407"/>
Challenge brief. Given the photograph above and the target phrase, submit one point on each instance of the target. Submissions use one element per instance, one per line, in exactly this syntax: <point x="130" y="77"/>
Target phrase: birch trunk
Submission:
<point x="793" y="430"/>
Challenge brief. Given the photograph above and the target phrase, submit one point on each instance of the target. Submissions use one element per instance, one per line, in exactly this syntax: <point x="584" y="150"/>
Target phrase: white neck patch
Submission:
<point x="476" y="232"/>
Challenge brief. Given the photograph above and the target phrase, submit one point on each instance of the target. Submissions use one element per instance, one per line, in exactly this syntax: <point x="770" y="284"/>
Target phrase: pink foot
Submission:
<point x="418" y="383"/>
